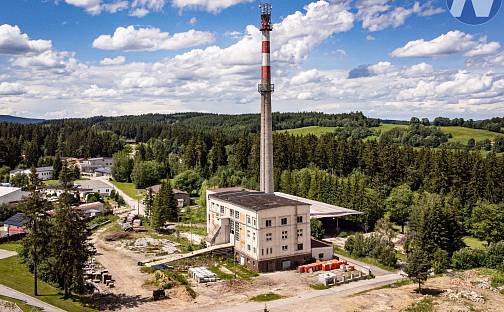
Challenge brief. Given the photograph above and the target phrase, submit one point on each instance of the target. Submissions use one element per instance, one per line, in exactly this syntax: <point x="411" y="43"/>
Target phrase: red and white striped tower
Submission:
<point x="266" y="88"/>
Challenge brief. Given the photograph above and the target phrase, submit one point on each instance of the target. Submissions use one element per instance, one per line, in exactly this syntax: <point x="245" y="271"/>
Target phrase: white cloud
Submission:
<point x="96" y="7"/>
<point x="8" y="88"/>
<point x="193" y="21"/>
<point x="47" y="60"/>
<point x="380" y="68"/>
<point x="95" y="92"/>
<point x="13" y="42"/>
<point x="452" y="42"/>
<point x="377" y="15"/>
<point x="151" y="39"/>
<point x="213" y="6"/>
<point x="419" y="69"/>
<point x="370" y="38"/>
<point x="141" y="8"/>
<point x="113" y="61"/>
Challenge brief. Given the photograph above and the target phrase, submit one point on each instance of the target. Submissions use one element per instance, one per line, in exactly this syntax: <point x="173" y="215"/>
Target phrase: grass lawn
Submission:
<point x="462" y="135"/>
<point x="21" y="304"/>
<point x="12" y="246"/>
<point x="266" y="297"/>
<point x="196" y="214"/>
<point x="368" y="260"/>
<point x="315" y="130"/>
<point x="14" y="274"/>
<point x="51" y="182"/>
<point x="130" y="190"/>
<point x="424" y="305"/>
<point x="195" y="230"/>
<point x="474" y="243"/>
<point x="319" y="286"/>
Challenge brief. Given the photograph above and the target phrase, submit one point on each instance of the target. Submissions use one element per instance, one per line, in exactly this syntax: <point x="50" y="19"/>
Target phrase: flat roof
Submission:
<point x="4" y="190"/>
<point x="91" y="184"/>
<point x="321" y="210"/>
<point x="253" y="200"/>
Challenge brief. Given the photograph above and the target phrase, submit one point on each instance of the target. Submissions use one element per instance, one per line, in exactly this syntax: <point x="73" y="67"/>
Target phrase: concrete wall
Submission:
<point x="325" y="252"/>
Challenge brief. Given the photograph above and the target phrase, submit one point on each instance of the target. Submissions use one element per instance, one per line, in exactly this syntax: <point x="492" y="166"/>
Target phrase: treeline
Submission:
<point x="495" y="124"/>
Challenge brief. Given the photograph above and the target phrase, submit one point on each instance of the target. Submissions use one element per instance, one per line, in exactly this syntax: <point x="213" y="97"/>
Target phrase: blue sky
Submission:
<point x="72" y="58"/>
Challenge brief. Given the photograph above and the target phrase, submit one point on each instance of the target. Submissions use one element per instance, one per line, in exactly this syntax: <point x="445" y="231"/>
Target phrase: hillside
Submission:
<point x="459" y="134"/>
<point x="20" y="120"/>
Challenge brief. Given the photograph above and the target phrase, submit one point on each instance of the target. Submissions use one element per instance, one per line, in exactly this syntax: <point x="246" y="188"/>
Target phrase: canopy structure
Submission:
<point x="319" y="210"/>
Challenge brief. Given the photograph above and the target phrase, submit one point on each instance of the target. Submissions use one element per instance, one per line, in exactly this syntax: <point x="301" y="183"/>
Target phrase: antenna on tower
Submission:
<point x="266" y="16"/>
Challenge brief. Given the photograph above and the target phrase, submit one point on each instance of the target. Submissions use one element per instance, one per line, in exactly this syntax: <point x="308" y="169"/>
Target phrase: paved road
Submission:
<point x="6" y="253"/>
<point x="9" y="292"/>
<point x="133" y="203"/>
<point x="320" y="301"/>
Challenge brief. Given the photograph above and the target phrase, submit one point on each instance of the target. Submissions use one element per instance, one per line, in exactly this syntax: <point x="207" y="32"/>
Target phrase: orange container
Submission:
<point x="301" y="269"/>
<point x="326" y="267"/>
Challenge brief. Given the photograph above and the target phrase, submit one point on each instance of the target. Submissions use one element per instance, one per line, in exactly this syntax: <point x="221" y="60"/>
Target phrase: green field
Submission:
<point x="315" y="130"/>
<point x="459" y="134"/>
<point x="14" y="274"/>
<point x="21" y="304"/>
<point x="51" y="182"/>
<point x="462" y="135"/>
<point x="474" y="243"/>
<point x="130" y="190"/>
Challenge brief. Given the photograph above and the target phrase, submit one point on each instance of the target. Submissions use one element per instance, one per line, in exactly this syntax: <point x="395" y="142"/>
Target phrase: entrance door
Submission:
<point x="242" y="260"/>
<point x="286" y="264"/>
<point x="271" y="266"/>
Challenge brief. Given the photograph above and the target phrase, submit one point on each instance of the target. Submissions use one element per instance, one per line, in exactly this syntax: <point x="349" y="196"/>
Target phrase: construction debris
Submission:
<point x="202" y="275"/>
<point x="464" y="294"/>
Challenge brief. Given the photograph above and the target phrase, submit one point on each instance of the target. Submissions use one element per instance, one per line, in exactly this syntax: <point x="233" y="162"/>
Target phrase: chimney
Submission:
<point x="266" y="88"/>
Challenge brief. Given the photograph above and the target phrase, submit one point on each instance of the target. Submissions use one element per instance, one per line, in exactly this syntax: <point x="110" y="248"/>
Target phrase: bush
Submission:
<point x="440" y="261"/>
<point x="343" y="234"/>
<point x="495" y="256"/>
<point x="373" y="246"/>
<point x="468" y="258"/>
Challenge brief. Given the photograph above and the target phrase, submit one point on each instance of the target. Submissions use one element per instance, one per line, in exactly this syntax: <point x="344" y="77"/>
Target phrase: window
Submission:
<point x="248" y="247"/>
<point x="271" y="250"/>
<point x="248" y="233"/>
<point x="255" y="250"/>
<point x="254" y="223"/>
<point x="268" y="223"/>
<point x="262" y="252"/>
<point x="284" y="234"/>
<point x="248" y="219"/>
<point x="253" y="235"/>
<point x="300" y="247"/>
<point x="237" y="215"/>
<point x="284" y="221"/>
<point x="269" y="236"/>
<point x="222" y="210"/>
<point x="321" y="255"/>
<point x="231" y="226"/>
<point x="285" y="248"/>
<point x="231" y="213"/>
<point x="300" y="219"/>
<point x="237" y="231"/>
<point x="300" y="233"/>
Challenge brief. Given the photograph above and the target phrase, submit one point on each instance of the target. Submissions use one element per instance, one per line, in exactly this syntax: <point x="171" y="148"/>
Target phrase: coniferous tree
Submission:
<point x="57" y="166"/>
<point x="70" y="246"/>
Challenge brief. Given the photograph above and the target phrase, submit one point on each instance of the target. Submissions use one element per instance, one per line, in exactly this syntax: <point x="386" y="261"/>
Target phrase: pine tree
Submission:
<point x="164" y="207"/>
<point x="418" y="266"/>
<point x="69" y="245"/>
<point x="57" y="166"/>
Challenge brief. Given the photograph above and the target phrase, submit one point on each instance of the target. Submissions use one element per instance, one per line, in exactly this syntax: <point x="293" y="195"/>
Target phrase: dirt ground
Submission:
<point x="397" y="299"/>
<point x="467" y="291"/>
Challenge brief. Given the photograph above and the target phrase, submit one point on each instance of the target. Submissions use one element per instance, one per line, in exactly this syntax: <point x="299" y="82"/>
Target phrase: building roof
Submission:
<point x="49" y="168"/>
<point x="106" y="170"/>
<point x="315" y="243"/>
<point x="321" y="210"/>
<point x="94" y="205"/>
<point x="5" y="190"/>
<point x="19" y="220"/>
<point x="249" y="199"/>
<point x="91" y="184"/>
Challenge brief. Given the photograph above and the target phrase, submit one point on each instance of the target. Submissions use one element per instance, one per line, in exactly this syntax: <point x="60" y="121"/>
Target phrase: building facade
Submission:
<point x="269" y="232"/>
<point x="43" y="173"/>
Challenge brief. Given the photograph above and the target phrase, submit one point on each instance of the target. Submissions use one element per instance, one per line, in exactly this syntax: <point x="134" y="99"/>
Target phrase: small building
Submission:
<point x="183" y="198"/>
<point x="16" y="224"/>
<point x="92" y="210"/>
<point x="43" y="173"/>
<point x="269" y="232"/>
<point x="10" y="194"/>
<point x="92" y="186"/>
<point x="322" y="250"/>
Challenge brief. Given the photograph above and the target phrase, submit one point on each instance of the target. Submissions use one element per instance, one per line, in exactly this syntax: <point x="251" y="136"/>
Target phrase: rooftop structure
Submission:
<point x="10" y="194"/>
<point x="255" y="200"/>
<point x="321" y="210"/>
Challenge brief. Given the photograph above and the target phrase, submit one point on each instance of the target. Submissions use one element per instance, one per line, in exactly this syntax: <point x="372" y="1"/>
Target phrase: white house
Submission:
<point x="93" y="186"/>
<point x="43" y="173"/>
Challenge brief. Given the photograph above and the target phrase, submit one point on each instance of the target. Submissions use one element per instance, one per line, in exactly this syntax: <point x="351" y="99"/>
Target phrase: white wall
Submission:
<point x="14" y="196"/>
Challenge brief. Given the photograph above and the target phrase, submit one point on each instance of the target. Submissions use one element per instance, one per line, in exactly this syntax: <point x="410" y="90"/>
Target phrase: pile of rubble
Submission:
<point x="464" y="294"/>
<point x="147" y="244"/>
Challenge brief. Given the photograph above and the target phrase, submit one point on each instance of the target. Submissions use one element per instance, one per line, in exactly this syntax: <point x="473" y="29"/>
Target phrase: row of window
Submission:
<point x="269" y="251"/>
<point x="283" y="221"/>
<point x="269" y="236"/>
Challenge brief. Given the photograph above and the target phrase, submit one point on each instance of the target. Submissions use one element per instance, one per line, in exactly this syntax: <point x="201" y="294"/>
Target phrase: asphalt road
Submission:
<point x="132" y="203"/>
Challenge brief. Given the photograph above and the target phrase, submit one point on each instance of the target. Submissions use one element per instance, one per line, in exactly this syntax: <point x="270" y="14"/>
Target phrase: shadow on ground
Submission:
<point x="114" y="302"/>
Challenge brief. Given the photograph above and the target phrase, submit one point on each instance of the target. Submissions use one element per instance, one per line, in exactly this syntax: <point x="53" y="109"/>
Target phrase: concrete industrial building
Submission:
<point x="11" y="194"/>
<point x="270" y="231"/>
<point x="43" y="173"/>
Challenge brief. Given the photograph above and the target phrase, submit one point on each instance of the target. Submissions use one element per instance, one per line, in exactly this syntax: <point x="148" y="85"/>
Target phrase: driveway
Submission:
<point x="133" y="203"/>
<point x="376" y="271"/>
<point x="9" y="292"/>
<point x="7" y="253"/>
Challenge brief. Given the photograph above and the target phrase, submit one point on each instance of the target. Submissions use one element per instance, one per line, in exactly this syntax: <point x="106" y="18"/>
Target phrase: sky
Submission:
<point x="389" y="59"/>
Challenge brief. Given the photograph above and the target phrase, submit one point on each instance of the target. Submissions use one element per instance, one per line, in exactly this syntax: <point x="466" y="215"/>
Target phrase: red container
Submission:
<point x="301" y="269"/>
